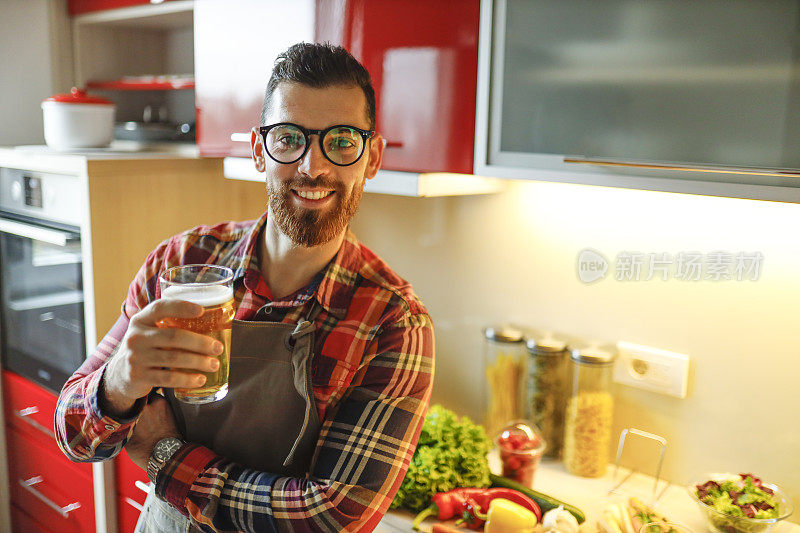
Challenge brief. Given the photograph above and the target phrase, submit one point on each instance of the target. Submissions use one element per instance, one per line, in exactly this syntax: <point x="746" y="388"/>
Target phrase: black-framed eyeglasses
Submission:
<point x="288" y="143"/>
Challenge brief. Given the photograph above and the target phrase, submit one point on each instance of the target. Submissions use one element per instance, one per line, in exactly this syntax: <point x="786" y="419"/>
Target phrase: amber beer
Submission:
<point x="211" y="287"/>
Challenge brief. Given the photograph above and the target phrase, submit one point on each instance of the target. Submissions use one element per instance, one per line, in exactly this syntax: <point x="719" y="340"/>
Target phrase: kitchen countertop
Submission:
<point x="591" y="495"/>
<point x="44" y="159"/>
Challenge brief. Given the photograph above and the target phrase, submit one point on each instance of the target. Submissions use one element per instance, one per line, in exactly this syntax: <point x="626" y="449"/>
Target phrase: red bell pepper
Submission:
<point x="463" y="502"/>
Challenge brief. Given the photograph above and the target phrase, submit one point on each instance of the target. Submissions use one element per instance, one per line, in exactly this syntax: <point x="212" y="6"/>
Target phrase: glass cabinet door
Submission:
<point x="706" y="83"/>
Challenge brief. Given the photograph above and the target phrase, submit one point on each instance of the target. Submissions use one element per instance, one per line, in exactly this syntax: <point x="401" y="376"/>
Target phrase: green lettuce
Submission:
<point x="451" y="453"/>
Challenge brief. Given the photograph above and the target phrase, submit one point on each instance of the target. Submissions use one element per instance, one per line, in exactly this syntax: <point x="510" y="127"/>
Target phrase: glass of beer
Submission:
<point x="212" y="287"/>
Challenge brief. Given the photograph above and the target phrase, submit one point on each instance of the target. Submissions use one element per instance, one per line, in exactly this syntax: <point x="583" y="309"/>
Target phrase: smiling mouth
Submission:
<point x="312" y="195"/>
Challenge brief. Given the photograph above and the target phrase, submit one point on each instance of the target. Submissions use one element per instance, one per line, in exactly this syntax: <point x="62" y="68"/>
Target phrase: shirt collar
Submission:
<point x="338" y="277"/>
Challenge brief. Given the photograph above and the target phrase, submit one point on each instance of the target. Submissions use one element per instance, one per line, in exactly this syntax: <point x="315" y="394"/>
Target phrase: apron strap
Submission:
<point x="300" y="360"/>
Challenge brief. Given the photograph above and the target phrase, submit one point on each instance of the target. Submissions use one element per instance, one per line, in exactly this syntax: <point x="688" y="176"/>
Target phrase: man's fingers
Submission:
<point x="176" y="379"/>
<point x="167" y="308"/>
<point x="183" y="360"/>
<point x="181" y="339"/>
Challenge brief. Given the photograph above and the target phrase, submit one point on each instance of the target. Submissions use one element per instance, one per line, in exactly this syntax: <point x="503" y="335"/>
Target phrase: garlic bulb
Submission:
<point x="559" y="521"/>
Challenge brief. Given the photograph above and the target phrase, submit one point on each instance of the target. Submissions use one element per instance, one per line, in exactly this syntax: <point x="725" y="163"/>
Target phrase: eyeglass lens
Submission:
<point x="341" y="145"/>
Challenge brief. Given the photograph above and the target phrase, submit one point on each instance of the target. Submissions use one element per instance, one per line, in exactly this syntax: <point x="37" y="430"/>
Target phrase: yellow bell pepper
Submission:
<point x="505" y="516"/>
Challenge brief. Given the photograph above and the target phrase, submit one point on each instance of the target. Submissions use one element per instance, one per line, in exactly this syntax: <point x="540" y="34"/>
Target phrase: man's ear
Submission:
<point x="257" y="150"/>
<point x="375" y="149"/>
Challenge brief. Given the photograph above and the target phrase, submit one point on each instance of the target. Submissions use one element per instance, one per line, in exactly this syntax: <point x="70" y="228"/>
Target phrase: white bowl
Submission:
<point x="68" y="126"/>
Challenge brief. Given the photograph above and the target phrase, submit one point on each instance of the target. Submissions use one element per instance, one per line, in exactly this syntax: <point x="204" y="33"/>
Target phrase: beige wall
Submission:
<point x="511" y="257"/>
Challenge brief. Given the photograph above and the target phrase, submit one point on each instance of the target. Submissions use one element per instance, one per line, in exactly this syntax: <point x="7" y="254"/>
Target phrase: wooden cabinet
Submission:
<point x="423" y="59"/>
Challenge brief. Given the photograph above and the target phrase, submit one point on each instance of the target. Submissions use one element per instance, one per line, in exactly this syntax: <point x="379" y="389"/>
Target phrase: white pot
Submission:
<point x="77" y="120"/>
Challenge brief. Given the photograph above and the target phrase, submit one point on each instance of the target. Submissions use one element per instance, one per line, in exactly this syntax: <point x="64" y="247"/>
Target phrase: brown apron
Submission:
<point x="268" y="421"/>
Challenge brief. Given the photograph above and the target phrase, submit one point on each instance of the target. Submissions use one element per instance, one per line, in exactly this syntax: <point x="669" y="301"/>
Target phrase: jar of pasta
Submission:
<point x="547" y="391"/>
<point x="590" y="409"/>
<point x="505" y="368"/>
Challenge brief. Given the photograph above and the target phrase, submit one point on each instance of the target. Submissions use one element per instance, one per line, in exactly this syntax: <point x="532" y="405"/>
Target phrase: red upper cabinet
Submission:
<point x="422" y="55"/>
<point x="423" y="59"/>
<point x="235" y="45"/>
<point x="78" y="7"/>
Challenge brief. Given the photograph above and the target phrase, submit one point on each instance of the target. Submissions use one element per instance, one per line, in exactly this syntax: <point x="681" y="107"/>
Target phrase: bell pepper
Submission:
<point x="447" y="505"/>
<point x="505" y="516"/>
<point x="473" y="519"/>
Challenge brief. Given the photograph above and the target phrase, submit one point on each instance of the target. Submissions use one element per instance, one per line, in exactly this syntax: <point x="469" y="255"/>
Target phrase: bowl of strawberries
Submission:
<point x="521" y="447"/>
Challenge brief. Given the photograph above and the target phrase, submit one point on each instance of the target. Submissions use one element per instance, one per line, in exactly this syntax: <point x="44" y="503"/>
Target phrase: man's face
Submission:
<point x="313" y="200"/>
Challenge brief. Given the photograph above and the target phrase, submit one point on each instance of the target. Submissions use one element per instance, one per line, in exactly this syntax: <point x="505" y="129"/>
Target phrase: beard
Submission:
<point x="312" y="227"/>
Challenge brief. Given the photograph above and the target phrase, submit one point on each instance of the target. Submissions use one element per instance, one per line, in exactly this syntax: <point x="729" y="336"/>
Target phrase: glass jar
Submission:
<point x="505" y="368"/>
<point x="590" y="410"/>
<point x="548" y="375"/>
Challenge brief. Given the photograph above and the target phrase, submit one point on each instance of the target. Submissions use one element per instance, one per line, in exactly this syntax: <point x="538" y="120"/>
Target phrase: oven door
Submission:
<point x="41" y="299"/>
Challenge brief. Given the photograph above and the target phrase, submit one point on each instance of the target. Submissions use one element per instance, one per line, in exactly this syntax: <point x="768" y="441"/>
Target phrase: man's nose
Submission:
<point x="314" y="163"/>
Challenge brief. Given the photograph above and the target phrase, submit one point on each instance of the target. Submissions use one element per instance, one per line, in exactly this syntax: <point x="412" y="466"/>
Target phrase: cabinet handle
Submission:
<point x="240" y="137"/>
<point x="28" y="484"/>
<point x="133" y="503"/>
<point x="32" y="410"/>
<point x="392" y="144"/>
<point x="142" y="486"/>
<point x="685" y="168"/>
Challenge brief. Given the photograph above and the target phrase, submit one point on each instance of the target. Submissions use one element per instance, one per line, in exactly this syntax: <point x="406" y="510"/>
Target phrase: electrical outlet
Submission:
<point x="652" y="369"/>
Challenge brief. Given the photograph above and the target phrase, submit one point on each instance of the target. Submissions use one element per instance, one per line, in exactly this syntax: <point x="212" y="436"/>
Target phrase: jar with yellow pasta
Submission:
<point x="505" y="366"/>
<point x="590" y="410"/>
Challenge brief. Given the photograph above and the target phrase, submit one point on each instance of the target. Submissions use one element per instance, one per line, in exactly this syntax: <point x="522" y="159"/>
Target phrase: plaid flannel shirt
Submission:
<point x="372" y="374"/>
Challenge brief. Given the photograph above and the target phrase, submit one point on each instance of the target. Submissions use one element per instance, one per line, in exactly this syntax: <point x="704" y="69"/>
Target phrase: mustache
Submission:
<point x="312" y="183"/>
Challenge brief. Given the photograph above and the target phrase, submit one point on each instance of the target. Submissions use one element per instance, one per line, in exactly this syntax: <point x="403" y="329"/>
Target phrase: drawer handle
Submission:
<point x="28" y="484"/>
<point x="133" y="503"/>
<point x="32" y="410"/>
<point x="141" y="485"/>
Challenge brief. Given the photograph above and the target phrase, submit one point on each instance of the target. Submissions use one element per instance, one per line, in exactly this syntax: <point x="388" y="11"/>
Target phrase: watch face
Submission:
<point x="165" y="448"/>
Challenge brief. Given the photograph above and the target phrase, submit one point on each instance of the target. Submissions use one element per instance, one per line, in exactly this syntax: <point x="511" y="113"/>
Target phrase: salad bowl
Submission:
<point x="739" y="503"/>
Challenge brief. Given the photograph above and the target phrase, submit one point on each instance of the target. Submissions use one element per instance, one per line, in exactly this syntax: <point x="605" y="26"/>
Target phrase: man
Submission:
<point x="330" y="459"/>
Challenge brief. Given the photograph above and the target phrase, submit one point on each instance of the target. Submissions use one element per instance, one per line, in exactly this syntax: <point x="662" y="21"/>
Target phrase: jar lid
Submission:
<point x="595" y="354"/>
<point x="504" y="334"/>
<point x="78" y="96"/>
<point x="546" y="345"/>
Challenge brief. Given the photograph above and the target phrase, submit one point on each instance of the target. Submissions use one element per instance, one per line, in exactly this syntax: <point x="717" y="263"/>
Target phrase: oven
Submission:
<point x="42" y="328"/>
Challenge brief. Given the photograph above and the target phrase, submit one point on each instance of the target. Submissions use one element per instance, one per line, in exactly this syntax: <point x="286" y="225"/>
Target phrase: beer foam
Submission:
<point x="200" y="294"/>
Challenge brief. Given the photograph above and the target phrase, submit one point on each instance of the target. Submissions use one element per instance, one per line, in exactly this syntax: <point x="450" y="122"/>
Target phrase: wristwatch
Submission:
<point x="162" y="452"/>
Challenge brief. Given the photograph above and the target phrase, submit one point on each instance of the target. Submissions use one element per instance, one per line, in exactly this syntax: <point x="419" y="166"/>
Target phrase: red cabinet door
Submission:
<point x="22" y="522"/>
<point x="128" y="511"/>
<point x="235" y="45"/>
<point x="46" y="485"/>
<point x="28" y="407"/>
<point x="78" y="7"/>
<point x="132" y="487"/>
<point x="423" y="59"/>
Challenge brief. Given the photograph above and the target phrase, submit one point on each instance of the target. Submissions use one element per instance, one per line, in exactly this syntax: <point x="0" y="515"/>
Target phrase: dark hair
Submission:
<point x="320" y="65"/>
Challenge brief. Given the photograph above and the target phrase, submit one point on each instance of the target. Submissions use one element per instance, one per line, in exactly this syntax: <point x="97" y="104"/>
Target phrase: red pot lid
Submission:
<point x="78" y="96"/>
